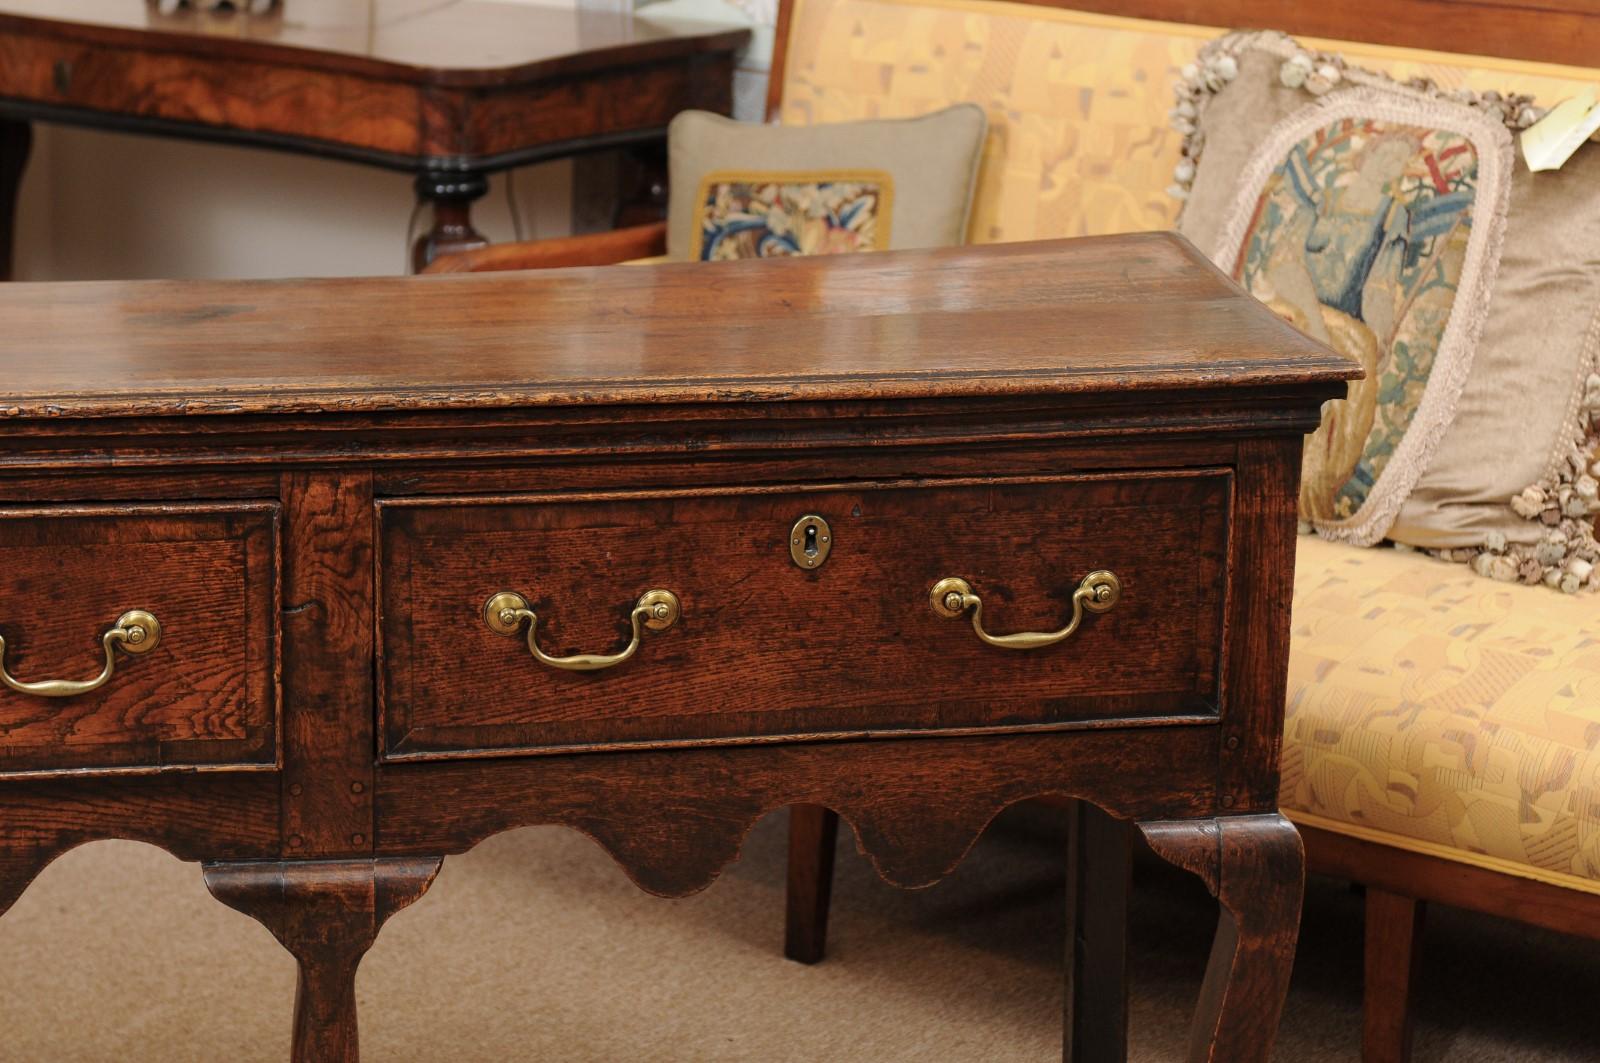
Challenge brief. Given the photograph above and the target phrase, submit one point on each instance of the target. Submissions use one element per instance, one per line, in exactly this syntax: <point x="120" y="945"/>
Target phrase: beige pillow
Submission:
<point x="1475" y="433"/>
<point x="741" y="190"/>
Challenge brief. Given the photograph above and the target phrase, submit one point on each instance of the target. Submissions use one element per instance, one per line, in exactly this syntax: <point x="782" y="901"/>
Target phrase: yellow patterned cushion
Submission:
<point x="1434" y="710"/>
<point x="1079" y="139"/>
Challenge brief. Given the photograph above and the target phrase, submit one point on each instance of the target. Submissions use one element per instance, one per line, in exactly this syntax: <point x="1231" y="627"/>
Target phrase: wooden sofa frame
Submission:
<point x="1398" y="882"/>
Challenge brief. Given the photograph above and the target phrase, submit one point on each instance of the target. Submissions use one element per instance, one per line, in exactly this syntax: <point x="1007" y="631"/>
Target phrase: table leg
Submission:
<point x="450" y="197"/>
<point x="327" y="913"/>
<point x="16" y="140"/>
<point x="813" y="834"/>
<point x="1099" y="875"/>
<point x="1255" y="866"/>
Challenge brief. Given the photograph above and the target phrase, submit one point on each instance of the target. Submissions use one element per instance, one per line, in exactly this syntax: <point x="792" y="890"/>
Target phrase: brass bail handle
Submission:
<point x="656" y="610"/>
<point x="1098" y="592"/>
<point x="135" y="631"/>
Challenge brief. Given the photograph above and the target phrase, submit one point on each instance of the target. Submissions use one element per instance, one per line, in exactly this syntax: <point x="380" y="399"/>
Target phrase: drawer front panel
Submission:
<point x="764" y="648"/>
<point x="204" y="695"/>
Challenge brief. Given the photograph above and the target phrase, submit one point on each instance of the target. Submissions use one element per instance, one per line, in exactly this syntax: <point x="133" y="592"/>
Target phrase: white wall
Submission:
<point x="750" y="77"/>
<point x="112" y="205"/>
<point x="108" y="205"/>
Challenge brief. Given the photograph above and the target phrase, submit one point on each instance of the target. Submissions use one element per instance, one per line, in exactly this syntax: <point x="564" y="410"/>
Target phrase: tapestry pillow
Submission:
<point x="741" y="190"/>
<point x="1398" y="224"/>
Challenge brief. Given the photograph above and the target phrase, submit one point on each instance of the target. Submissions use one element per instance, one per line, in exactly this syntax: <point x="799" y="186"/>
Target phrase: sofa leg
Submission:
<point x="813" y="831"/>
<point x="1393" y="943"/>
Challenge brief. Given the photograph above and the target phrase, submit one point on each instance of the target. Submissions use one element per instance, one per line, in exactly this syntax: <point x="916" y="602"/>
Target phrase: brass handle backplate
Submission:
<point x="1098" y="592"/>
<point x="655" y="609"/>
<point x="135" y="631"/>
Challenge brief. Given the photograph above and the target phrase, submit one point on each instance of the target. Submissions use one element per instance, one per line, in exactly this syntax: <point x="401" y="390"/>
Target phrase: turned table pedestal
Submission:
<point x="319" y="582"/>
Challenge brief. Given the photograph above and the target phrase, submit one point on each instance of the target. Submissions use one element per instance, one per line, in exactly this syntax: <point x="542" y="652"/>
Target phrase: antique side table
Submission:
<point x="449" y="90"/>
<point x="318" y="582"/>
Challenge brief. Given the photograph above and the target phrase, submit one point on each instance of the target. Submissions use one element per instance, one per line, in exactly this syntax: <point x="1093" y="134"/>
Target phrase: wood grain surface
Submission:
<point x="467" y="43"/>
<point x="448" y="88"/>
<point x="586" y="249"/>
<point x="327" y="914"/>
<point x="346" y="115"/>
<point x="1255" y="866"/>
<point x="1549" y="31"/>
<point x="765" y="648"/>
<point x="673" y="819"/>
<point x="1013" y="415"/>
<point x="205" y="696"/>
<point x="1122" y="313"/>
<point x="327" y="733"/>
<point x="1446" y="881"/>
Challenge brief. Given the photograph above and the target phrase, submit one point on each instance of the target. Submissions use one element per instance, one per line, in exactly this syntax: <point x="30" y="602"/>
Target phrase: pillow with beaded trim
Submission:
<point x="1396" y="222"/>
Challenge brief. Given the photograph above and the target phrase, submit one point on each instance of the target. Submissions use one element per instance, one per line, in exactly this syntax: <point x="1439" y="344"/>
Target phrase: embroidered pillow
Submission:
<point x="754" y="191"/>
<point x="1367" y="218"/>
<point x="1397" y="223"/>
<point x="760" y="215"/>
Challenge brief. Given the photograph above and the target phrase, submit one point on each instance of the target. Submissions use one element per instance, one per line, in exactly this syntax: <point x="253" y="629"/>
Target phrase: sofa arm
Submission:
<point x="592" y="249"/>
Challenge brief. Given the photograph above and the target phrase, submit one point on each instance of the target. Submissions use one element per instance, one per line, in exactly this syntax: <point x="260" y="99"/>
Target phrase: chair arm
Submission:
<point x="592" y="249"/>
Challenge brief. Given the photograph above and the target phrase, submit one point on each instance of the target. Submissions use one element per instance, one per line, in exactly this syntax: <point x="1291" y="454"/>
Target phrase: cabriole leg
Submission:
<point x="327" y="913"/>
<point x="1255" y="866"/>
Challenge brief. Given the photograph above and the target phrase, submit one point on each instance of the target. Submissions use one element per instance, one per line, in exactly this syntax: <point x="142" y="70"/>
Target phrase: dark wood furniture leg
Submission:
<point x="1099" y="876"/>
<point x="1398" y="885"/>
<point x="450" y="197"/>
<point x="16" y="140"/>
<point x="327" y="913"/>
<point x="813" y="837"/>
<point x="1394" y="940"/>
<point x="1255" y="866"/>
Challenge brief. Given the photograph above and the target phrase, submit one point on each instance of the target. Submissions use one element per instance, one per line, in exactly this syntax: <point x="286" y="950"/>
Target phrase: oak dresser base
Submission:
<point x="322" y="582"/>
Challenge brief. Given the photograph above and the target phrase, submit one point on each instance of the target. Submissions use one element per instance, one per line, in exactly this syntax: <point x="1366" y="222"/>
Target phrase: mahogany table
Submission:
<point x="318" y="582"/>
<point x="450" y="90"/>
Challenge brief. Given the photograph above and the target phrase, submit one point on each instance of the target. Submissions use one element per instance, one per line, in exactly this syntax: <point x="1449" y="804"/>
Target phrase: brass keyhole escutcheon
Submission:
<point x="810" y="540"/>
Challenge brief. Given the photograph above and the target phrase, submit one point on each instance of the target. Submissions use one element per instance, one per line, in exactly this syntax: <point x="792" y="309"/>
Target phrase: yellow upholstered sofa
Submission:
<point x="1442" y="734"/>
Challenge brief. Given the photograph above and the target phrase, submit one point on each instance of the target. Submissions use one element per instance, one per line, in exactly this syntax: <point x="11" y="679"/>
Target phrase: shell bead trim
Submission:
<point x="1318" y="73"/>
<point x="1567" y="502"/>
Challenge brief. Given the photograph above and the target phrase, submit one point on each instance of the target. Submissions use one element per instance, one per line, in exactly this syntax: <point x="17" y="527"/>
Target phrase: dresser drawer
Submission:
<point x="179" y="603"/>
<point x="763" y="647"/>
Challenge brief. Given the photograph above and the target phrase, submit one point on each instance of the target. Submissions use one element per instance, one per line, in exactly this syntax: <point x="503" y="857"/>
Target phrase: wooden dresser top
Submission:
<point x="1074" y="317"/>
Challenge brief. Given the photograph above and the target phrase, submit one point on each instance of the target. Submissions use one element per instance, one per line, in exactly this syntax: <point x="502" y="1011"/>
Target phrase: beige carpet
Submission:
<point x="535" y="947"/>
